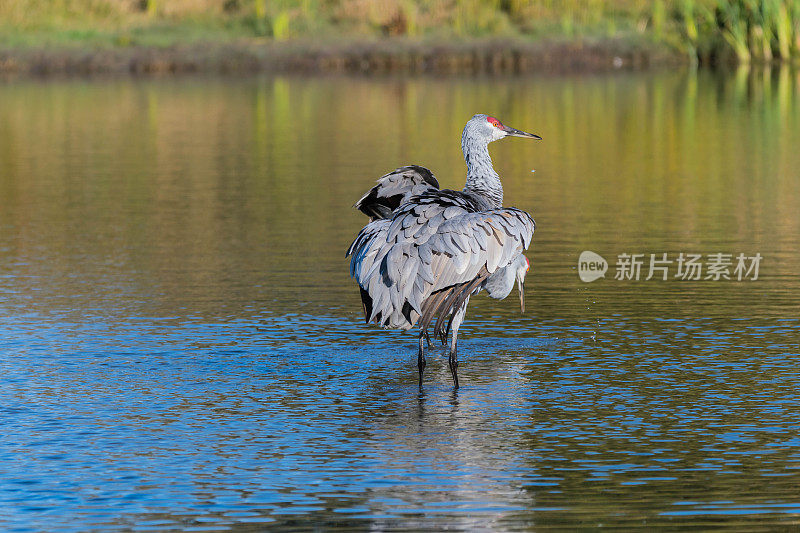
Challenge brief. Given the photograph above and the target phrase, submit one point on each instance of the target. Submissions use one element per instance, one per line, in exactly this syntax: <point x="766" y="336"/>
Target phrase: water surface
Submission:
<point x="181" y="347"/>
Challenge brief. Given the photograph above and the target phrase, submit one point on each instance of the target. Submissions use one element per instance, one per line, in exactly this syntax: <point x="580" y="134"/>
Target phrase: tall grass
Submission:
<point x="745" y="30"/>
<point x="748" y="30"/>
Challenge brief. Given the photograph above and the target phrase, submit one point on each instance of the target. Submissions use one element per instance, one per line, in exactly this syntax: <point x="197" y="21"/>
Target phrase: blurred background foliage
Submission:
<point x="707" y="30"/>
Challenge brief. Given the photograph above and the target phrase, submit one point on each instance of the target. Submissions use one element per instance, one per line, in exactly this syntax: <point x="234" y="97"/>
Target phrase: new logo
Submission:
<point x="591" y="266"/>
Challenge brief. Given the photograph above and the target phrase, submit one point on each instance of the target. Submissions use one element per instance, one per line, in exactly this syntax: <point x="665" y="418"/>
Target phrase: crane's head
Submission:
<point x="500" y="284"/>
<point x="484" y="128"/>
<point x="522" y="266"/>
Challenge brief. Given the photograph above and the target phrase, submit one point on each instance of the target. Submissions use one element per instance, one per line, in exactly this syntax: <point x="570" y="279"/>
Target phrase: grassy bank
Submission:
<point x="43" y="36"/>
<point x="492" y="56"/>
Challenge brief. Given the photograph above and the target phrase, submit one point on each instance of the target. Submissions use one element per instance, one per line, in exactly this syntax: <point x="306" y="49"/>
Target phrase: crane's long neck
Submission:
<point x="481" y="178"/>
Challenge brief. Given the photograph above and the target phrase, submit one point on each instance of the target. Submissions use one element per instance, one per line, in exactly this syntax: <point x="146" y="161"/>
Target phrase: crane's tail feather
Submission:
<point x="366" y="303"/>
<point x="444" y="303"/>
<point x="460" y="301"/>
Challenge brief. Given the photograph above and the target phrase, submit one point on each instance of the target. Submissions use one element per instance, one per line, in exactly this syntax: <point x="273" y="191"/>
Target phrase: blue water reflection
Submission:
<point x="170" y="424"/>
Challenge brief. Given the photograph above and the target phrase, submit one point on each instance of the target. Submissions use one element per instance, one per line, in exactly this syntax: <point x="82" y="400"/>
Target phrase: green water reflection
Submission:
<point x="221" y="197"/>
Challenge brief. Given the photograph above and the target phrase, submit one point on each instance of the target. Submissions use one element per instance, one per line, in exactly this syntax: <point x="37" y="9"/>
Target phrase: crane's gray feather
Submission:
<point x="434" y="242"/>
<point x="394" y="189"/>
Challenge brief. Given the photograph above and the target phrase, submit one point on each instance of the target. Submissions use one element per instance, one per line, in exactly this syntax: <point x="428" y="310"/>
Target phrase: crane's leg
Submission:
<point x="421" y="356"/>
<point x="455" y="323"/>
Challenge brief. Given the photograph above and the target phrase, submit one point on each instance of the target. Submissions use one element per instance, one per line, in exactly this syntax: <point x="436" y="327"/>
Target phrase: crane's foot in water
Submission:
<point x="421" y="364"/>
<point x="454" y="368"/>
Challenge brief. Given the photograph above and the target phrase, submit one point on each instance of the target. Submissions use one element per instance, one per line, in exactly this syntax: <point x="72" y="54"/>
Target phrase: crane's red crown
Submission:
<point x="494" y="122"/>
<point x="527" y="263"/>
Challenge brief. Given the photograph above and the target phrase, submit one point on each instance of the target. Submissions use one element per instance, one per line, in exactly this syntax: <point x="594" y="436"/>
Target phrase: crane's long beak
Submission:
<point x="512" y="132"/>
<point x="521" y="287"/>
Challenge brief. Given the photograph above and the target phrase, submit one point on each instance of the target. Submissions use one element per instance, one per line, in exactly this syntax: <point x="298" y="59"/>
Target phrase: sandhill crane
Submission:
<point x="426" y="251"/>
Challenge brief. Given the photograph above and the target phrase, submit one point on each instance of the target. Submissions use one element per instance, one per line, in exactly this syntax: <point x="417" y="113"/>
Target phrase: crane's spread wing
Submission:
<point x="394" y="189"/>
<point x="437" y="241"/>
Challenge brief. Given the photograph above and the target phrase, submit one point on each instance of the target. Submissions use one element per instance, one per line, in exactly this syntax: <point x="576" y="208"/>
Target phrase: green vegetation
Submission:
<point x="707" y="30"/>
<point x="148" y="21"/>
<point x="762" y="30"/>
